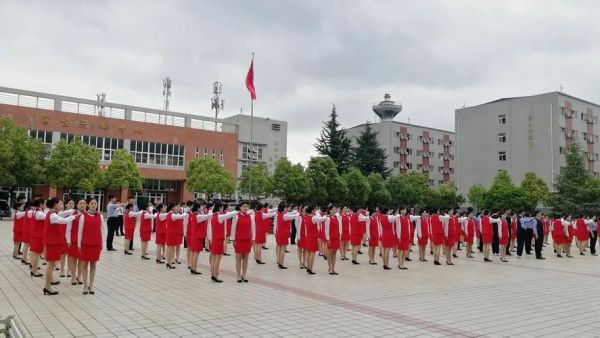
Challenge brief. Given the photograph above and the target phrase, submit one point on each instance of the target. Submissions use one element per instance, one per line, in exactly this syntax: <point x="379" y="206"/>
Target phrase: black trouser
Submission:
<point x="539" y="244"/>
<point x="293" y="234"/>
<point x="495" y="240"/>
<point x="120" y="227"/>
<point x="524" y="239"/>
<point x="509" y="237"/>
<point x="593" y="239"/>
<point x="112" y="224"/>
<point x="480" y="244"/>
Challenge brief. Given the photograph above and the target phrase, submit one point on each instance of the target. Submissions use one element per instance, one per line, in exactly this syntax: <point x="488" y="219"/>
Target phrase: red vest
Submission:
<point x="311" y="229"/>
<point x="387" y="228"/>
<point x="334" y="228"/>
<point x="436" y="225"/>
<point x="265" y="223"/>
<point x="18" y="223"/>
<point x="345" y="224"/>
<point x="145" y="224"/>
<point x="504" y="227"/>
<point x="52" y="232"/>
<point x="283" y="227"/>
<point x="373" y="228"/>
<point x="92" y="229"/>
<point x="75" y="229"/>
<point x="486" y="226"/>
<point x="258" y="221"/>
<point x="128" y="222"/>
<point x="471" y="227"/>
<point x="200" y="229"/>
<point x="452" y="224"/>
<point x="174" y="227"/>
<point x="355" y="227"/>
<point x="28" y="222"/>
<point x="217" y="229"/>
<point x="243" y="228"/>
<point x="424" y="227"/>
<point x="37" y="226"/>
<point x="405" y="228"/>
<point x="161" y="225"/>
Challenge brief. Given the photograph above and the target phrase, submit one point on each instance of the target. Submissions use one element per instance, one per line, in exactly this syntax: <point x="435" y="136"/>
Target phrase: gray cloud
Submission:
<point x="433" y="56"/>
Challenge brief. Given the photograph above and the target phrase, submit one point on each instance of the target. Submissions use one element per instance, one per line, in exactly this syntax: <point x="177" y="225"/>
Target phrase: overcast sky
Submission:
<point x="433" y="56"/>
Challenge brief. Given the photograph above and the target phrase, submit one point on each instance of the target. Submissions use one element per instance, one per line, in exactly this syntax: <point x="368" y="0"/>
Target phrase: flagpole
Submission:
<point x="251" y="133"/>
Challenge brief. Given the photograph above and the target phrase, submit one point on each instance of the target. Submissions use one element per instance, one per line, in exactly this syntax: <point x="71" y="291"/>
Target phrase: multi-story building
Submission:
<point x="269" y="139"/>
<point x="411" y="147"/>
<point x="521" y="134"/>
<point x="162" y="142"/>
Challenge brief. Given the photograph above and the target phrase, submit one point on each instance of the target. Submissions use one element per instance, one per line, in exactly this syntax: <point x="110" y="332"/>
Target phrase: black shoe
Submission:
<point x="540" y="258"/>
<point x="281" y="266"/>
<point x="449" y="263"/>
<point x="55" y="283"/>
<point x="265" y="248"/>
<point x="437" y="263"/>
<point x="385" y="267"/>
<point x="407" y="259"/>
<point x="111" y="249"/>
<point x="487" y="260"/>
<point x="355" y="262"/>
<point x="23" y="262"/>
<point x="50" y="293"/>
<point x="158" y="261"/>
<point x="194" y="272"/>
<point x="360" y="252"/>
<point x="35" y="275"/>
<point x="287" y="251"/>
<point x="245" y="280"/>
<point x="127" y="253"/>
<point x="373" y="263"/>
<point x="302" y="267"/>
<point x="169" y="266"/>
<point x="582" y="254"/>
<point x="90" y="290"/>
<point x="145" y="258"/>
<point x="15" y="257"/>
<point x="239" y="280"/>
<point x="423" y="260"/>
<point x="504" y="260"/>
<point x="364" y="245"/>
<point x="455" y="255"/>
<point x="558" y="255"/>
<point x="226" y="254"/>
<point x="177" y="262"/>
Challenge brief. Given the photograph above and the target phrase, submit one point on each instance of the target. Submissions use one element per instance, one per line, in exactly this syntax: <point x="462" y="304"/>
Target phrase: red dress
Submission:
<point x="583" y="233"/>
<point x="424" y="230"/>
<point x="487" y="230"/>
<point x="388" y="236"/>
<point x="311" y="234"/>
<point x="333" y="243"/>
<point x="18" y="228"/>
<point x="217" y="235"/>
<point x="161" y="231"/>
<point x="243" y="234"/>
<point x="197" y="235"/>
<point x="513" y="226"/>
<point x="558" y="233"/>
<point x="260" y="235"/>
<point x="546" y="225"/>
<point x="457" y="230"/>
<point x="300" y="232"/>
<point x="571" y="233"/>
<point x="145" y="227"/>
<point x="128" y="225"/>
<point x="356" y="233"/>
<point x="37" y="234"/>
<point x="91" y="237"/>
<point x="282" y="235"/>
<point x="437" y="230"/>
<point x="470" y="231"/>
<point x="345" y="228"/>
<point x="373" y="232"/>
<point x="405" y="239"/>
<point x="53" y="239"/>
<point x="27" y="221"/>
<point x="503" y="240"/>
<point x="451" y="238"/>
<point x="73" y="250"/>
<point x="174" y="235"/>
<point x="228" y="223"/>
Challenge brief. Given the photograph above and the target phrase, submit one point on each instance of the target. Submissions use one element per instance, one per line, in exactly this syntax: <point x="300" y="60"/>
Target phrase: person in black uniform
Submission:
<point x="496" y="239"/>
<point x="538" y="232"/>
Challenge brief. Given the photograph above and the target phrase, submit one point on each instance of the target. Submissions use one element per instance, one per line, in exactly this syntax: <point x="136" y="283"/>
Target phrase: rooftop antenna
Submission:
<point x="101" y="98"/>
<point x="166" y="91"/>
<point x="217" y="103"/>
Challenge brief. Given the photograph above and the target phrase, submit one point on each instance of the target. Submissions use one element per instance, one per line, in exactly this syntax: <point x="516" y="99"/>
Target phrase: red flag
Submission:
<point x="250" y="81"/>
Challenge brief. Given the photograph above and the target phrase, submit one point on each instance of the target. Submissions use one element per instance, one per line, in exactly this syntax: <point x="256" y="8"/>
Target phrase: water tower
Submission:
<point x="387" y="109"/>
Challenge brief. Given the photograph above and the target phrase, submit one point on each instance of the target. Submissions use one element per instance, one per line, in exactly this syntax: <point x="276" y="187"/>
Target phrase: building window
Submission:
<point x="431" y="183"/>
<point x="157" y="153"/>
<point x="409" y="166"/>
<point x="205" y="152"/>
<point x="502" y="119"/>
<point x="396" y="164"/>
<point x="276" y="126"/>
<point x="562" y="150"/>
<point x="45" y="138"/>
<point x="419" y="152"/>
<point x="397" y="135"/>
<point x="221" y="157"/>
<point x="159" y="185"/>
<point x="396" y="150"/>
<point x="502" y="155"/>
<point x="502" y="137"/>
<point x="106" y="146"/>
<point x="257" y="152"/>
<point x="409" y="151"/>
<point x="419" y="166"/>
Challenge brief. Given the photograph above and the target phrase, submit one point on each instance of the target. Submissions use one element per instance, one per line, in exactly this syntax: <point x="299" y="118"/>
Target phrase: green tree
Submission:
<point x="207" y="176"/>
<point x="325" y="181"/>
<point x="449" y="196"/>
<point x="504" y="194"/>
<point x="535" y="189"/>
<point x="290" y="182"/>
<point x="122" y="172"/>
<point x="334" y="143"/>
<point x="477" y="194"/>
<point x="378" y="193"/>
<point x="262" y="184"/>
<point x="408" y="190"/>
<point x="369" y="157"/>
<point x="574" y="187"/>
<point x="74" y="165"/>
<point x="22" y="158"/>
<point x="358" y="187"/>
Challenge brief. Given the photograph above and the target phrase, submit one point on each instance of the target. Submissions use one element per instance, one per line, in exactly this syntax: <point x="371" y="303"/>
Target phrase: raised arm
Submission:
<point x="203" y="217"/>
<point x="234" y="221"/>
<point x="55" y="219"/>
<point x="224" y="217"/>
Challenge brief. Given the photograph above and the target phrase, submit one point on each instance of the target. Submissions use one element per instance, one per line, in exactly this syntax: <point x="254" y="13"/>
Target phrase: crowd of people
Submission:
<point x="68" y="235"/>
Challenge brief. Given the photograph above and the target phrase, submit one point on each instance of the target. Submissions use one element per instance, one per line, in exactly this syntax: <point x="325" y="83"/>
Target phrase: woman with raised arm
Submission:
<point x="333" y="233"/>
<point x="161" y="233"/>
<point x="18" y="221"/>
<point x="71" y="236"/>
<point x="38" y="219"/>
<point x="438" y="233"/>
<point x="54" y="240"/>
<point x="243" y="231"/>
<point x="197" y="234"/>
<point x="282" y="228"/>
<point x="130" y="220"/>
<point x="146" y="224"/>
<point x="174" y="234"/>
<point x="216" y="234"/>
<point x="262" y="220"/>
<point x="387" y="235"/>
<point x="403" y="233"/>
<point x="89" y="239"/>
<point x="311" y="230"/>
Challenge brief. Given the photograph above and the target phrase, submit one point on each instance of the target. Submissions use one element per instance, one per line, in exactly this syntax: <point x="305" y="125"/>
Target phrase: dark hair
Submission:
<point x="402" y="208"/>
<point x="309" y="209"/>
<point x="39" y="202"/>
<point x="434" y="211"/>
<point x="170" y="206"/>
<point x="159" y="206"/>
<point x="130" y="197"/>
<point x="89" y="199"/>
<point x="217" y="207"/>
<point x="371" y="210"/>
<point x="19" y="204"/>
<point x="189" y="203"/>
<point x="385" y="210"/>
<point x="281" y="207"/>
<point x="195" y="207"/>
<point x="330" y="207"/>
<point x="129" y="206"/>
<point x="110" y="197"/>
<point x="52" y="202"/>
<point x="144" y="206"/>
<point x="68" y="200"/>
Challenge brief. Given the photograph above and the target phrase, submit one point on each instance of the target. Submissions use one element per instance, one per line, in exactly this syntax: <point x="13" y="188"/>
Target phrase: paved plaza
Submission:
<point x="135" y="298"/>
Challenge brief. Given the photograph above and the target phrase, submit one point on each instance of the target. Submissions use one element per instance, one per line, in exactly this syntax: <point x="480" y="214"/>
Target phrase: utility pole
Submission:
<point x="217" y="103"/>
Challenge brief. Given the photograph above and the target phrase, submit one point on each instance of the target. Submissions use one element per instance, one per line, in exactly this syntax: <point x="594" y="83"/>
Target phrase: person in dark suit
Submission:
<point x="538" y="232"/>
<point x="508" y="214"/>
<point x="496" y="239"/>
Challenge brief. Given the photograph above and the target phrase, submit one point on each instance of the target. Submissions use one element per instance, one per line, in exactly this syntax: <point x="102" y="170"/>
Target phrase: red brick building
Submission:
<point x="162" y="142"/>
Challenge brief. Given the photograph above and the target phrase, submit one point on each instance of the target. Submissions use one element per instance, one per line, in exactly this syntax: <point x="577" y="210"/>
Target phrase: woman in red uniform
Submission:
<point x="54" y="240"/>
<point x="27" y="221"/>
<point x="558" y="235"/>
<point x="422" y="231"/>
<point x="36" y="231"/>
<point x="146" y="220"/>
<point x="174" y="234"/>
<point x="300" y="238"/>
<point x="513" y="234"/>
<point x="129" y="222"/>
<point x="450" y="235"/>
<point x="469" y="226"/>
<point x="72" y="244"/>
<point x="387" y="235"/>
<point x="403" y="233"/>
<point x="582" y="233"/>
<point x="372" y="231"/>
<point x="437" y="233"/>
<point x="262" y="221"/>
<point x="282" y="228"/>
<point x="69" y="210"/>
<point x="89" y="239"/>
<point x="198" y="225"/>
<point x="243" y="230"/>
<point x="332" y="236"/>
<point x="161" y="233"/>
<point x="357" y="219"/>
<point x="311" y="235"/>
<point x="216" y="232"/>
<point x="345" y="240"/>
<point x="503" y="237"/>
<point x="18" y="221"/>
<point x="487" y="234"/>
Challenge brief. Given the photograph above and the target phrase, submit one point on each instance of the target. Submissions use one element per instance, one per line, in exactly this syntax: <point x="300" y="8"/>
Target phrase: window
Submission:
<point x="159" y="185"/>
<point x="431" y="183"/>
<point x="158" y="153"/>
<point x="408" y="137"/>
<point x="502" y="155"/>
<point x="582" y="117"/>
<point x="396" y="164"/>
<point x="502" y="119"/>
<point x="257" y="153"/>
<point x="276" y="126"/>
<point x="502" y="137"/>
<point x="396" y="150"/>
<point x="419" y="166"/>
<point x="409" y="151"/>
<point x="221" y="157"/>
<point x="106" y="146"/>
<point x="397" y="135"/>
<point x="197" y="153"/>
<point x="419" y="152"/>
<point x="562" y="150"/>
<point x="409" y="166"/>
